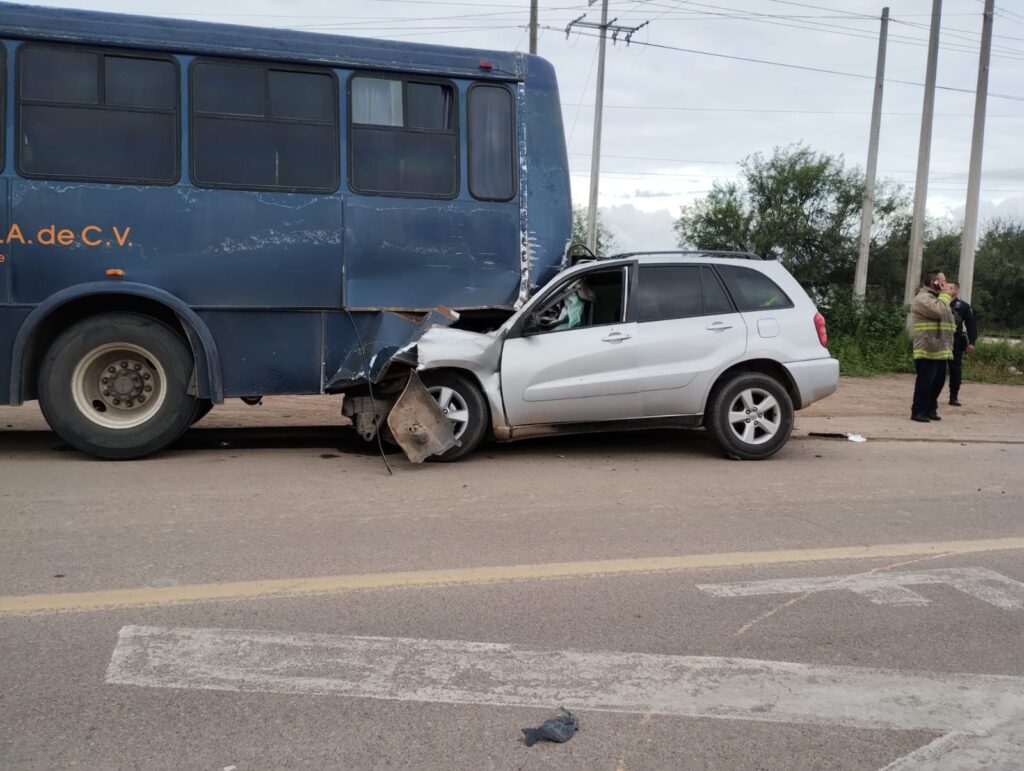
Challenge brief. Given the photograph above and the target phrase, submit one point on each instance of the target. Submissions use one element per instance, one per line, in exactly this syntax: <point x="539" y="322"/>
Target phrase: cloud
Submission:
<point x="989" y="211"/>
<point x="637" y="231"/>
<point x="653" y="194"/>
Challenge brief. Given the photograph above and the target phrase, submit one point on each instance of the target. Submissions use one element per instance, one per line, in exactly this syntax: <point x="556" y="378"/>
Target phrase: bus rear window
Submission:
<point x="402" y="139"/>
<point x="492" y="153"/>
<point x="89" y="115"/>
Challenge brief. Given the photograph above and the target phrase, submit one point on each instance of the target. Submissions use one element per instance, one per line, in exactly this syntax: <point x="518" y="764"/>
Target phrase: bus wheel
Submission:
<point x="203" y="407"/>
<point x="116" y="386"/>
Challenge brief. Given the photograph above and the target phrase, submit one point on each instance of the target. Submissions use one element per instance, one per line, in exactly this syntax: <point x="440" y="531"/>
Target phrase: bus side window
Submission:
<point x="492" y="149"/>
<point x="93" y="115"/>
<point x="264" y="127"/>
<point x="402" y="138"/>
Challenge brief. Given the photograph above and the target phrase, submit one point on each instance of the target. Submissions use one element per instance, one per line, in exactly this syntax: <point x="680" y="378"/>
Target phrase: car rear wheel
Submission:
<point x="116" y="386"/>
<point x="751" y="416"/>
<point x="461" y="400"/>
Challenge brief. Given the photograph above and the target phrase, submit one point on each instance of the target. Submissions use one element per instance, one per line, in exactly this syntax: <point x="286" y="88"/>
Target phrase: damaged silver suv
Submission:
<point x="729" y="342"/>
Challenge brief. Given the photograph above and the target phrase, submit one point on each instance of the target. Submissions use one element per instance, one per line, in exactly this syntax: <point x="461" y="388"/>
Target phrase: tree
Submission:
<point x="999" y="276"/>
<point x="605" y="237"/>
<point x="798" y="206"/>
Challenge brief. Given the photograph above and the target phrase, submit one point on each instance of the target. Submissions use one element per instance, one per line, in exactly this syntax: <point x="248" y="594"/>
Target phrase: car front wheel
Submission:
<point x="751" y="416"/>
<point x="461" y="400"/>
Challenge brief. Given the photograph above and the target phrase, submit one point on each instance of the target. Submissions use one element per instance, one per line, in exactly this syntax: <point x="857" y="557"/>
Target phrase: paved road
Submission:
<point x="270" y="597"/>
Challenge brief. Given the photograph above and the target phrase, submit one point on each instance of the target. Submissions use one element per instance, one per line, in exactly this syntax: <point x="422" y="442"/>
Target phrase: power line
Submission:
<point x="807" y="23"/>
<point x="783" y="111"/>
<point x="804" y="67"/>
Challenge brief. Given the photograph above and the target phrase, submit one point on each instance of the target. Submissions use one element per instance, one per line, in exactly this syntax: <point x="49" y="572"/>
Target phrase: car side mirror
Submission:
<point x="531" y="324"/>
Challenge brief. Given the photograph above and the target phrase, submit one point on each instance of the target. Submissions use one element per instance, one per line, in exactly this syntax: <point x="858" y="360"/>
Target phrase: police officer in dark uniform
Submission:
<point x="963" y="341"/>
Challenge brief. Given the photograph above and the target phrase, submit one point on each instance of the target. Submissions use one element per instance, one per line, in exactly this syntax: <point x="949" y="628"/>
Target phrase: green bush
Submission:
<point x="995" y="363"/>
<point x="868" y="337"/>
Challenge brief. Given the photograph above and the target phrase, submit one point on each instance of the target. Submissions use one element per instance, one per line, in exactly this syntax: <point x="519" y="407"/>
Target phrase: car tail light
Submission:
<point x="819" y="325"/>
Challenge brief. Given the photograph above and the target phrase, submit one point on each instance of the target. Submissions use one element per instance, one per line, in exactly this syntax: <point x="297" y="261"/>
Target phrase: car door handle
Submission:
<point x="616" y="337"/>
<point x="718" y="326"/>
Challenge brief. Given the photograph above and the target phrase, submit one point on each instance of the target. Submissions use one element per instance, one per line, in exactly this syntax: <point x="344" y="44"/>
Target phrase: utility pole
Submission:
<point x="595" y="155"/>
<point x="970" y="234"/>
<point x="923" y="155"/>
<point x="533" y="26"/>
<point x="860" y="276"/>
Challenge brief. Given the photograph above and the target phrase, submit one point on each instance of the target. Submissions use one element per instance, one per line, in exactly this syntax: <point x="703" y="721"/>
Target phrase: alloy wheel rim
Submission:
<point x="755" y="416"/>
<point x="454" y="406"/>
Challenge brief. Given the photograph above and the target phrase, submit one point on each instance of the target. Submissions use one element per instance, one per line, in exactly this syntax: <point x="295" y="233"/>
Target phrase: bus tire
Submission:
<point x="116" y="386"/>
<point x="462" y="396"/>
<point x="203" y="407"/>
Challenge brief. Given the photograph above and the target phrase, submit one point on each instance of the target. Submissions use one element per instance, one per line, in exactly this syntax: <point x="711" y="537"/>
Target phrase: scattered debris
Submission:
<point x="837" y="435"/>
<point x="417" y="423"/>
<point x="557" y="729"/>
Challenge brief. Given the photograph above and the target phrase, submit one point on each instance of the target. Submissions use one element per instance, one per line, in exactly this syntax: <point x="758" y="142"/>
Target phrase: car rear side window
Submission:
<point x="669" y="292"/>
<point x="751" y="290"/>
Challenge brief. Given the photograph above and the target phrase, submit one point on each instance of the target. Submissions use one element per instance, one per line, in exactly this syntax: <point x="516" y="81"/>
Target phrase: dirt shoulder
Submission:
<point x="877" y="407"/>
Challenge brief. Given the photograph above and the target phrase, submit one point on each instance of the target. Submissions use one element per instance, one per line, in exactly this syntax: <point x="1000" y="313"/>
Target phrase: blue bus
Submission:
<point x="195" y="211"/>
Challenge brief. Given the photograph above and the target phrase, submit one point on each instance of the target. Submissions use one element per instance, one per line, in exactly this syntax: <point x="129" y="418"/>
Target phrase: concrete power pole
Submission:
<point x="595" y="151"/>
<point x="533" y="26"/>
<point x="970" y="234"/>
<point x="923" y="155"/>
<point x="595" y="155"/>
<point x="860" y="276"/>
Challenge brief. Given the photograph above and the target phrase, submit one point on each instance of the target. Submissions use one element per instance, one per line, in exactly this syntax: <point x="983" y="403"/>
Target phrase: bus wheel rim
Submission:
<point x="119" y="385"/>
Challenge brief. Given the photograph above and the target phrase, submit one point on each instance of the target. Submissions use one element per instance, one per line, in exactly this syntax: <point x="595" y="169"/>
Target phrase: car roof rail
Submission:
<point x="737" y="255"/>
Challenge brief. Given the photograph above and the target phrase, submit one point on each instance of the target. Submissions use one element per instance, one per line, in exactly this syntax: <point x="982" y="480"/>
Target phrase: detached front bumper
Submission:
<point x="815" y="379"/>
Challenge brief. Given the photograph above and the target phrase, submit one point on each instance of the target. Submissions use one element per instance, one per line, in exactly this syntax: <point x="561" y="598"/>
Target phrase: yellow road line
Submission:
<point x="265" y="589"/>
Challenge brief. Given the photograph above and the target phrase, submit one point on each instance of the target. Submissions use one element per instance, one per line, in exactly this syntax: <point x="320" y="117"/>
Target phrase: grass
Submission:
<point x="988" y="363"/>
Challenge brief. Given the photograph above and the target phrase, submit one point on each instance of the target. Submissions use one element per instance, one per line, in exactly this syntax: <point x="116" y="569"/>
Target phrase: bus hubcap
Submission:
<point x="119" y="385"/>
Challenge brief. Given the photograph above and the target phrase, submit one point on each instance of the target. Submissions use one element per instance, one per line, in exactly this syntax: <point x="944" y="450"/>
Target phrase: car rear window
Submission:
<point x="752" y="290"/>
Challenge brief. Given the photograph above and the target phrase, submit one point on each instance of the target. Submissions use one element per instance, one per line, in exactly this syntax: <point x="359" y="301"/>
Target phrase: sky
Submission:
<point x="676" y="120"/>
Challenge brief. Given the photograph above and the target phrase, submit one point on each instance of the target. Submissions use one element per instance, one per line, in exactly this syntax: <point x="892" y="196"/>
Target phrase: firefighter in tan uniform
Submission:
<point x="932" y="325"/>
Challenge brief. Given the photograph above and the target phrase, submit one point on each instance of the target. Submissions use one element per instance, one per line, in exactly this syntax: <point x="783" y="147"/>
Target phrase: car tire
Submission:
<point x="459" y="395"/>
<point x="751" y="416"/>
<point x="116" y="386"/>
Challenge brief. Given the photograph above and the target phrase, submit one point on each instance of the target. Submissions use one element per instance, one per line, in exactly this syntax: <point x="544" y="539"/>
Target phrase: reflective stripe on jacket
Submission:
<point x="931" y="325"/>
